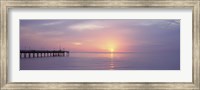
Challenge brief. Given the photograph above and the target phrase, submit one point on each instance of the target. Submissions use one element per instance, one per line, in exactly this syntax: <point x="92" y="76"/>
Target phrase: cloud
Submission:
<point x="156" y="22"/>
<point x="86" y="26"/>
<point x="53" y="23"/>
<point x="77" y="43"/>
<point x="174" y="22"/>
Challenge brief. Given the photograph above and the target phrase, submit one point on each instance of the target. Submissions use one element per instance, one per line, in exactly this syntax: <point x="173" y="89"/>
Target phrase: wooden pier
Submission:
<point x="42" y="53"/>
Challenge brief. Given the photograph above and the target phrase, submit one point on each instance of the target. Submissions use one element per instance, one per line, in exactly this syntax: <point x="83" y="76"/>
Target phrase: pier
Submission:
<point x="42" y="53"/>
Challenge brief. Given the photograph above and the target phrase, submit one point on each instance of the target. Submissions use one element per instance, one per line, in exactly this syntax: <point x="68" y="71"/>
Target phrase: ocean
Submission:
<point x="105" y="61"/>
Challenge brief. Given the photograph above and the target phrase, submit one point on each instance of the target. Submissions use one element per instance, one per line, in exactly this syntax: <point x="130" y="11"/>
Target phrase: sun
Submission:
<point x="111" y="49"/>
<point x="111" y="46"/>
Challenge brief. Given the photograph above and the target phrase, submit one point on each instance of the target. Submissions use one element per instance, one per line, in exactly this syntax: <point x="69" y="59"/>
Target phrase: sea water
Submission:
<point x="105" y="61"/>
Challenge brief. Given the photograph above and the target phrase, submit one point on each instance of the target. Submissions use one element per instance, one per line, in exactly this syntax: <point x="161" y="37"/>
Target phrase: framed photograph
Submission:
<point x="121" y="44"/>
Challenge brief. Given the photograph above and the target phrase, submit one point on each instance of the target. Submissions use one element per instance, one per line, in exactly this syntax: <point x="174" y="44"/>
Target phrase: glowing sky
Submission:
<point x="101" y="35"/>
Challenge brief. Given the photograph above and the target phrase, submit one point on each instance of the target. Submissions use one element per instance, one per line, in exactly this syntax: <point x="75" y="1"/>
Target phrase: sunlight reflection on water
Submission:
<point x="112" y="65"/>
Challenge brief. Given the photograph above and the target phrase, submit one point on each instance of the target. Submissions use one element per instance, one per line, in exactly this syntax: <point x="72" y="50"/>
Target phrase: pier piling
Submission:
<point x="42" y="53"/>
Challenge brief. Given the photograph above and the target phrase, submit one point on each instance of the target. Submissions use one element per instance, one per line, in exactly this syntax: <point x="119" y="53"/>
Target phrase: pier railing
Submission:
<point x="42" y="53"/>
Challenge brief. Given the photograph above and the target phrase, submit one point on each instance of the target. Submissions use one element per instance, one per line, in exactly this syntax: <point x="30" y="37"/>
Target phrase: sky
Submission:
<point x="101" y="35"/>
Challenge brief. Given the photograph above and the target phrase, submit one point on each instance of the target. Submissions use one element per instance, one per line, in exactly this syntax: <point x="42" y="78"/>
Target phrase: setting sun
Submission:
<point x="112" y="47"/>
<point x="111" y="50"/>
